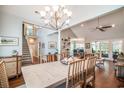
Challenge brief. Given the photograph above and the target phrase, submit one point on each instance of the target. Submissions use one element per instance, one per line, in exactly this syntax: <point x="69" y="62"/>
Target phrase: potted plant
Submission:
<point x="14" y="52"/>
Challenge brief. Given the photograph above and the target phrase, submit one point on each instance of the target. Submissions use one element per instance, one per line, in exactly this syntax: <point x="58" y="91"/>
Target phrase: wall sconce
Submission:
<point x="31" y="41"/>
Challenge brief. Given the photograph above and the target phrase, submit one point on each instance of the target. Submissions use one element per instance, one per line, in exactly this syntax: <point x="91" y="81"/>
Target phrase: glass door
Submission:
<point x="104" y="45"/>
<point x="77" y="47"/>
<point x="101" y="47"/>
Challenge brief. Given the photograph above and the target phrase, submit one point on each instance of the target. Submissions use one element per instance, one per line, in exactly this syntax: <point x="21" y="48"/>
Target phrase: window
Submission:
<point x="77" y="46"/>
<point x="117" y="46"/>
<point x="101" y="46"/>
<point x="104" y="46"/>
<point x="29" y="30"/>
<point x="95" y="47"/>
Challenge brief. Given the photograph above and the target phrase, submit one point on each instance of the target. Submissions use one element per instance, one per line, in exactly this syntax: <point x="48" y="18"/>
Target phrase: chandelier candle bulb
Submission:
<point x="67" y="21"/>
<point x="65" y="11"/>
<point x="55" y="8"/>
<point x="69" y="13"/>
<point x="51" y="14"/>
<point x="113" y="25"/>
<point x="46" y="21"/>
<point x="47" y="9"/>
<point x="42" y="13"/>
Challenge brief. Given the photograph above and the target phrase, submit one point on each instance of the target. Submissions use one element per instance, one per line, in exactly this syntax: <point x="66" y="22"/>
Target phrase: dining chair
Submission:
<point x="119" y="70"/>
<point x="86" y="56"/>
<point x="48" y="58"/>
<point x="43" y="59"/>
<point x="3" y="76"/>
<point x="90" y="71"/>
<point x="4" y="83"/>
<point x="75" y="74"/>
<point x="99" y="61"/>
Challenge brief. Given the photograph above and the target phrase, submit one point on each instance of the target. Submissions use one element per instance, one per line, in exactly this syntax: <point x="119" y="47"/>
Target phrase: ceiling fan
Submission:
<point x="103" y="28"/>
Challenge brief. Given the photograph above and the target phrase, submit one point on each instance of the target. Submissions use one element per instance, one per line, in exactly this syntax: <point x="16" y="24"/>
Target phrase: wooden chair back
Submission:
<point x="90" y="66"/>
<point x="97" y="55"/>
<point x="86" y="56"/>
<point x="3" y="76"/>
<point x="75" y="74"/>
<point x="49" y="58"/>
<point x="90" y="71"/>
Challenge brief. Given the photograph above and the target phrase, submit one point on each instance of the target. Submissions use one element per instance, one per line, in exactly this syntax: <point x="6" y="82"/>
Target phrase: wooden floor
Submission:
<point x="104" y="78"/>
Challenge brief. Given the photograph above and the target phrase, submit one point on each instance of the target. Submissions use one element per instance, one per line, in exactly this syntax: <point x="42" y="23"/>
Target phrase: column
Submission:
<point x="59" y="44"/>
<point x="123" y="46"/>
<point x="110" y="50"/>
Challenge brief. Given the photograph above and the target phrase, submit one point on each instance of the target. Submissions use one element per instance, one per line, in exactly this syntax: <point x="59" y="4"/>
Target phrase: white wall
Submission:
<point x="45" y="37"/>
<point x="53" y="38"/>
<point x="67" y="33"/>
<point x="10" y="26"/>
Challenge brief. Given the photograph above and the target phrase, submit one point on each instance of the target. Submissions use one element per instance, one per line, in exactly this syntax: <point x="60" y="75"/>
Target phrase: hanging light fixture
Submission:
<point x="55" y="17"/>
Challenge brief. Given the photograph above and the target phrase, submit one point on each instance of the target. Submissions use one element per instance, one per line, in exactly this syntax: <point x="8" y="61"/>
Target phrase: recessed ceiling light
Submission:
<point x="82" y="25"/>
<point x="113" y="25"/>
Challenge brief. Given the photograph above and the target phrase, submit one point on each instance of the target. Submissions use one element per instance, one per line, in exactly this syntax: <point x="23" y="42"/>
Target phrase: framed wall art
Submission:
<point x="8" y="41"/>
<point x="87" y="45"/>
<point x="52" y="45"/>
<point x="43" y="45"/>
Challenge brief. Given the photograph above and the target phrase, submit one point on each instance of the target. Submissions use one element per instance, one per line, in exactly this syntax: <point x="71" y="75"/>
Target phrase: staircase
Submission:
<point x="26" y="57"/>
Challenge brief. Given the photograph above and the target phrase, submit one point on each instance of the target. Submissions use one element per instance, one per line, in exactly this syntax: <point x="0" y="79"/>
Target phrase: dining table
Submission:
<point x="46" y="75"/>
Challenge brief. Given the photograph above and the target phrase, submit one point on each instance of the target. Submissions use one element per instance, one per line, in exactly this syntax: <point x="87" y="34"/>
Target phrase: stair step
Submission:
<point x="27" y="62"/>
<point x="25" y="58"/>
<point x="25" y="55"/>
<point x="25" y="50"/>
<point x="25" y="46"/>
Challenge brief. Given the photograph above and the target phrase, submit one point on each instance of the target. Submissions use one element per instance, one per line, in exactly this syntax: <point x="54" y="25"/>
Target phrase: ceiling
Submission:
<point x="89" y="31"/>
<point x="80" y="12"/>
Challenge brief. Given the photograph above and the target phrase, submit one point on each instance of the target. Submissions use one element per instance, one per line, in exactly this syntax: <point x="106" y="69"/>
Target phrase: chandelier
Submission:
<point x="55" y="17"/>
